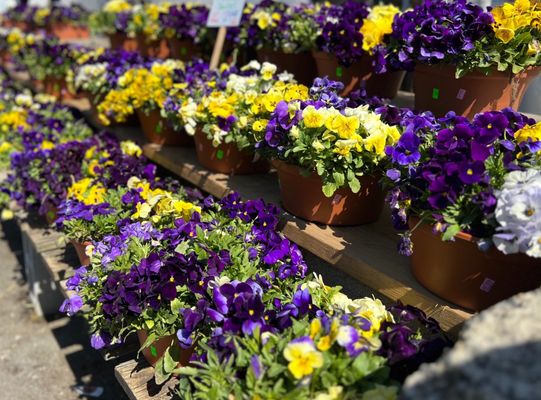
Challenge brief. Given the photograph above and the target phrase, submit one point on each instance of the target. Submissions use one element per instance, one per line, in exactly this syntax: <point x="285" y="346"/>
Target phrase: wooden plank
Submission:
<point x="137" y="380"/>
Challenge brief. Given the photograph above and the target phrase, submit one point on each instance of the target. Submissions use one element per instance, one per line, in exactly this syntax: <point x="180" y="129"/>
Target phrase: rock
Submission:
<point x="498" y="356"/>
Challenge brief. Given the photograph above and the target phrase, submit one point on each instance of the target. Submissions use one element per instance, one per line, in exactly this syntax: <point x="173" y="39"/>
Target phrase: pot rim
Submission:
<point x="443" y="70"/>
<point x="460" y="235"/>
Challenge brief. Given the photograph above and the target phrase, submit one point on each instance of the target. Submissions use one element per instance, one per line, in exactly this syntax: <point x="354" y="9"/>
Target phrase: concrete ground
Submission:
<point x="43" y="359"/>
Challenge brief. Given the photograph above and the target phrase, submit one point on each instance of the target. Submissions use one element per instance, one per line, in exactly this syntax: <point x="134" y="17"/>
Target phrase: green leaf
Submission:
<point x="182" y="247"/>
<point x="149" y="323"/>
<point x="329" y="189"/>
<point x="451" y="231"/>
<point x="354" y="185"/>
<point x="338" y="178"/>
<point x="171" y="359"/>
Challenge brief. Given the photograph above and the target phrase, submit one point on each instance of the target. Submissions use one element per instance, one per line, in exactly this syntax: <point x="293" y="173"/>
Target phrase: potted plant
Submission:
<point x="146" y="26"/>
<point x="459" y="179"/>
<point x="232" y="120"/>
<point x="143" y="90"/>
<point x="184" y="26"/>
<point x="329" y="156"/>
<point x="96" y="73"/>
<point x="283" y="35"/>
<point x="63" y="22"/>
<point x="466" y="59"/>
<point x="113" y="21"/>
<point x="347" y="37"/>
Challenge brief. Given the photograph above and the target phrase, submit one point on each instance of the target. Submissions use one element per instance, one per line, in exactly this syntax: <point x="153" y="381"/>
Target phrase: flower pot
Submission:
<point x="157" y="130"/>
<point x="121" y="41"/>
<point x="227" y="158"/>
<point x="302" y="196"/>
<point x="358" y="75"/>
<point x="80" y="249"/>
<point x="157" y="349"/>
<point x="68" y="31"/>
<point x="460" y="273"/>
<point x="436" y="89"/>
<point x="152" y="48"/>
<point x="301" y="65"/>
<point x="183" y="49"/>
<point x="57" y="87"/>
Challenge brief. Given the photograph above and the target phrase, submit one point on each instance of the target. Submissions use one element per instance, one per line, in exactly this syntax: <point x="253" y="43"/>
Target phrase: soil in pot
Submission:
<point x="358" y="75"/>
<point x="157" y="130"/>
<point x="227" y="158"/>
<point x="80" y="249"/>
<point x="436" y="89"/>
<point x="182" y="49"/>
<point x="302" y="196"/>
<point x="121" y="41"/>
<point x="152" y="48"/>
<point x="301" y="65"/>
<point x="458" y="272"/>
<point x="157" y="349"/>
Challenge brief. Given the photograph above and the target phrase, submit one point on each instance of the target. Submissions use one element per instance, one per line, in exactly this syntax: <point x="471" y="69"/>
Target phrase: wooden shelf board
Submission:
<point x="137" y="380"/>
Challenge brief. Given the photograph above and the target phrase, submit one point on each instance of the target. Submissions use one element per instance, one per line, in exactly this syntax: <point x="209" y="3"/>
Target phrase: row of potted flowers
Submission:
<point x="332" y="153"/>
<point x="457" y="49"/>
<point x="214" y="292"/>
<point x="64" y="22"/>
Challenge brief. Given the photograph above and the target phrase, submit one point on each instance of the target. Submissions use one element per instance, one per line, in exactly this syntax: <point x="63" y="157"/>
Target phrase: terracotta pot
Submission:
<point x="156" y="350"/>
<point x="302" y="197"/>
<point x="157" y="130"/>
<point x="67" y="31"/>
<point x="301" y="65"/>
<point x="183" y="49"/>
<point x="152" y="48"/>
<point x="57" y="87"/>
<point x="5" y="57"/>
<point x="358" y="75"/>
<point x="80" y="249"/>
<point x="462" y="274"/>
<point x="121" y="41"/>
<point x="227" y="158"/>
<point x="436" y="89"/>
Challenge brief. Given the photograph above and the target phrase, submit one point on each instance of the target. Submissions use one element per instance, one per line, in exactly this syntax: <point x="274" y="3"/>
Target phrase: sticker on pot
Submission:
<point x="256" y="158"/>
<point x="487" y="285"/>
<point x="339" y="72"/>
<point x="183" y="51"/>
<point x="460" y="94"/>
<point x="159" y="128"/>
<point x="336" y="199"/>
<point x="220" y="154"/>
<point x="153" y="351"/>
<point x="435" y="93"/>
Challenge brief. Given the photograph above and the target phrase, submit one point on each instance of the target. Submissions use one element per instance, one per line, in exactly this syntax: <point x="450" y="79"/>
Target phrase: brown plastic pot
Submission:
<point x="436" y="89"/>
<point x="68" y="31"/>
<point x="57" y="87"/>
<point x="80" y="249"/>
<point x="121" y="41"/>
<point x="152" y="48"/>
<point x="157" y="349"/>
<point x="183" y="49"/>
<point x="458" y="272"/>
<point x="157" y="130"/>
<point x="227" y="158"/>
<point x="302" y="196"/>
<point x="301" y="65"/>
<point x="360" y="74"/>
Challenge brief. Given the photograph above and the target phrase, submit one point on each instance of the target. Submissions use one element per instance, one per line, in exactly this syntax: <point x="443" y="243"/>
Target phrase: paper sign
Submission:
<point x="225" y="13"/>
<point x="460" y="94"/>
<point x="487" y="285"/>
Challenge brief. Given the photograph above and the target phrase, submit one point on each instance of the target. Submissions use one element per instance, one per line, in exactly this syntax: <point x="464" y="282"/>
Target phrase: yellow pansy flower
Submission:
<point x="260" y="125"/>
<point x="313" y="118"/>
<point x="529" y="132"/>
<point x="303" y="357"/>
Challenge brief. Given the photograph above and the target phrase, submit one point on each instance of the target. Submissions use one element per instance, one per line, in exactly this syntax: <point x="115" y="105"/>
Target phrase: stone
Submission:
<point x="497" y="357"/>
